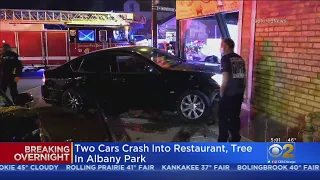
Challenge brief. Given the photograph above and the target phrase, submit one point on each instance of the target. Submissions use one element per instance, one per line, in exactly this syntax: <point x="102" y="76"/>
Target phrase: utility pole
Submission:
<point x="154" y="23"/>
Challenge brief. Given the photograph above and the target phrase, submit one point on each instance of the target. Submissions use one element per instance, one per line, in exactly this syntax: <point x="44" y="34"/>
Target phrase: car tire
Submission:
<point x="194" y="110"/>
<point x="74" y="100"/>
<point x="213" y="118"/>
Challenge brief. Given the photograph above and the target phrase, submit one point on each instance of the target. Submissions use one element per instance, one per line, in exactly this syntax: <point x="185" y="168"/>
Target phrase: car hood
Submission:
<point x="190" y="74"/>
<point x="197" y="67"/>
<point x="16" y="112"/>
<point x="17" y="122"/>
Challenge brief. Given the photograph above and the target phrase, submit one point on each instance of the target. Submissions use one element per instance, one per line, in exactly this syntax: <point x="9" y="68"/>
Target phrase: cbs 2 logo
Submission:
<point x="285" y="151"/>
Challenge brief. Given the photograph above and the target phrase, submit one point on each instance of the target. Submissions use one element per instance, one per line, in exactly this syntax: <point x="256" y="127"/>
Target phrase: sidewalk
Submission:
<point x="147" y="130"/>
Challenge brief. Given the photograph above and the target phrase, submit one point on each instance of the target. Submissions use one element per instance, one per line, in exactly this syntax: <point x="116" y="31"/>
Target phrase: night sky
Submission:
<point x="116" y="5"/>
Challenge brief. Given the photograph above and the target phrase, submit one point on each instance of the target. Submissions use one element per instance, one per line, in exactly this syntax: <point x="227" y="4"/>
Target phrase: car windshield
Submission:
<point x="4" y="100"/>
<point x="161" y="58"/>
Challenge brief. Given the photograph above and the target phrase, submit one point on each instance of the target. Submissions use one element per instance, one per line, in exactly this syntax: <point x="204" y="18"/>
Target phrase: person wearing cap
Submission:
<point x="11" y="71"/>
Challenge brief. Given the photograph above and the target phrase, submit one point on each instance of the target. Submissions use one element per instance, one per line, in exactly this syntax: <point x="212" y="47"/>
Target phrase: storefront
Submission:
<point x="202" y="26"/>
<point x="279" y="41"/>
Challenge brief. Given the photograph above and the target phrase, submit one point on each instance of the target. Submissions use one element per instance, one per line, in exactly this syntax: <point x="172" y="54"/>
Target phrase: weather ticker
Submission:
<point x="159" y="157"/>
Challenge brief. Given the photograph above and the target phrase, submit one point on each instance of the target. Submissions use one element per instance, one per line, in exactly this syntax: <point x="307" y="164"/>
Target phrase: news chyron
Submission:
<point x="283" y="153"/>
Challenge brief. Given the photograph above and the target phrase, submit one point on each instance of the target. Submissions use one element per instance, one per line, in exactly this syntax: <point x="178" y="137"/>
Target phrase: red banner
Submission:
<point x="36" y="153"/>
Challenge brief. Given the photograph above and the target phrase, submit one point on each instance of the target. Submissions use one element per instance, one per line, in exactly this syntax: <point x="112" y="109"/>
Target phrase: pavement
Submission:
<point x="25" y="85"/>
<point x="133" y="126"/>
<point x="137" y="126"/>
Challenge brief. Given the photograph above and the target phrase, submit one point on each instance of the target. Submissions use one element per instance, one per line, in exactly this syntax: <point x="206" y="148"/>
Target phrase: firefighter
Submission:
<point x="11" y="71"/>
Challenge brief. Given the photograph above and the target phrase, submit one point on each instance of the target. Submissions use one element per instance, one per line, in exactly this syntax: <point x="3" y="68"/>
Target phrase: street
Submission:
<point x="28" y="81"/>
<point x="27" y="84"/>
<point x="135" y="126"/>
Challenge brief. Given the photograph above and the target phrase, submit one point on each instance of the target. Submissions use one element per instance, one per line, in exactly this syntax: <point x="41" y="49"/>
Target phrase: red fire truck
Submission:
<point x="38" y="47"/>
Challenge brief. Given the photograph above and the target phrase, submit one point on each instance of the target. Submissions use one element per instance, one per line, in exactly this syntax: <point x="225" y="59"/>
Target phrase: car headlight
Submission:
<point x="217" y="78"/>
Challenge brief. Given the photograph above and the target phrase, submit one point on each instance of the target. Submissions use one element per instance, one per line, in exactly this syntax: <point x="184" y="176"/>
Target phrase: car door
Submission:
<point x="138" y="82"/>
<point x="94" y="74"/>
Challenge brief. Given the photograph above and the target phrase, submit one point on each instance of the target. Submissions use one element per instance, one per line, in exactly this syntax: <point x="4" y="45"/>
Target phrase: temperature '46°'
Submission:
<point x="291" y="139"/>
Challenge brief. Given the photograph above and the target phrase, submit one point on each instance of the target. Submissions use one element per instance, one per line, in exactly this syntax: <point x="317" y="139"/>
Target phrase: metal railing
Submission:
<point x="68" y="17"/>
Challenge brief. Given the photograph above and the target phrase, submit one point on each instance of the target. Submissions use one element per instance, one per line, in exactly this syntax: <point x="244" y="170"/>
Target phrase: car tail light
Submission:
<point x="43" y="79"/>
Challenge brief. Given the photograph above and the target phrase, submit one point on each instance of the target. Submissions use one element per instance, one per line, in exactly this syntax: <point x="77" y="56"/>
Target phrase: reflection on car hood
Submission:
<point x="197" y="67"/>
<point x="17" y="112"/>
<point x="19" y="123"/>
<point x="9" y="109"/>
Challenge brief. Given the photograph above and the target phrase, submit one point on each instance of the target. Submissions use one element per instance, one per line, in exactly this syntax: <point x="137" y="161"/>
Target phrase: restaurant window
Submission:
<point x="202" y="40"/>
<point x="232" y="20"/>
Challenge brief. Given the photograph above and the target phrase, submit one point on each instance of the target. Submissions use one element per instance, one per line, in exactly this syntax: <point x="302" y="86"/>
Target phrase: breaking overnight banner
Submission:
<point x="167" y="159"/>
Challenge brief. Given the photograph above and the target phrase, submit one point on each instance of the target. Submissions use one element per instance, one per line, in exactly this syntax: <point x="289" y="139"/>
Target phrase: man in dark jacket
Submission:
<point x="11" y="71"/>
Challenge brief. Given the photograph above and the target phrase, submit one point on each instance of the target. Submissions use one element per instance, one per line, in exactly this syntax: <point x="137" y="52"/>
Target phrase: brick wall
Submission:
<point x="287" y="60"/>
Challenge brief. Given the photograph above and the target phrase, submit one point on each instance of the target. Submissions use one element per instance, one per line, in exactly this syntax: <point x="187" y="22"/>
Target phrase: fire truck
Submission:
<point x="83" y="32"/>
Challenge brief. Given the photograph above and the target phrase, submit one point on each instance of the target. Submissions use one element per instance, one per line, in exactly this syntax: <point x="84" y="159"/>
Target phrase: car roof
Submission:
<point x="124" y="48"/>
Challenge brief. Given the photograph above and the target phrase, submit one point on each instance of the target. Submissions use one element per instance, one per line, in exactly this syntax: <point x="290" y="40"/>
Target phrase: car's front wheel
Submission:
<point x="194" y="106"/>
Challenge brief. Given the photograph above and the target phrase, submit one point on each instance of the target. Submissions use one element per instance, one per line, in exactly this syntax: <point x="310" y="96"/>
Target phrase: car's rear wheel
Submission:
<point x="194" y="106"/>
<point x="72" y="99"/>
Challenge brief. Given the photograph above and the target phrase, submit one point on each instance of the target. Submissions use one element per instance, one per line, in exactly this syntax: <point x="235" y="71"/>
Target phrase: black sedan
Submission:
<point x="125" y="78"/>
<point x="19" y="124"/>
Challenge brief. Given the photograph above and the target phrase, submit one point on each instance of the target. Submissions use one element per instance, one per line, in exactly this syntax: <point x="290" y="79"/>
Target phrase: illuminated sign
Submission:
<point x="86" y="35"/>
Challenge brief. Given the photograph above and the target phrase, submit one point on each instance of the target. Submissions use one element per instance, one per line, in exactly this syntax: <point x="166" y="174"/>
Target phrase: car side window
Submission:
<point x="94" y="63"/>
<point x="131" y="64"/>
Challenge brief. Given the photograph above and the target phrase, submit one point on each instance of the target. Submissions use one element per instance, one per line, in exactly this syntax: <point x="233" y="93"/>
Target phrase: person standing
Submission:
<point x="231" y="93"/>
<point x="12" y="69"/>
